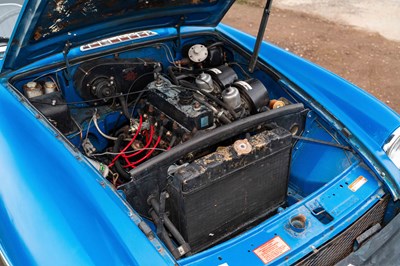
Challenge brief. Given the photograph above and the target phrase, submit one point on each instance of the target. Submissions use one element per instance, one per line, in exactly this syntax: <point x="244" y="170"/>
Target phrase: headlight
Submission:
<point x="392" y="147"/>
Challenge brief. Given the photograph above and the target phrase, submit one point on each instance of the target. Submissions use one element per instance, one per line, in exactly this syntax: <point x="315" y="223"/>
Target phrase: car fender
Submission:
<point x="366" y="121"/>
<point x="54" y="208"/>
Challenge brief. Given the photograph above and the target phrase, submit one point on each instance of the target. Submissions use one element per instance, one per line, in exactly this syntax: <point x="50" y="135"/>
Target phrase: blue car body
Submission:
<point x="56" y="209"/>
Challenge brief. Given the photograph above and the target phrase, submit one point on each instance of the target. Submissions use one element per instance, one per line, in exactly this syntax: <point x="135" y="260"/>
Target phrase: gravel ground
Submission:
<point x="368" y="60"/>
<point x="382" y="17"/>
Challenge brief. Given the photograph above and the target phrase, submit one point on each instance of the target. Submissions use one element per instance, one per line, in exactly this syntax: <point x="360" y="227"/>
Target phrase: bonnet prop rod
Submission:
<point x="260" y="36"/>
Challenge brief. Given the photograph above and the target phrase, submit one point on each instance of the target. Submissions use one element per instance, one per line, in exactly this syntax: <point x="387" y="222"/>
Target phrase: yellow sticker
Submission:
<point x="359" y="182"/>
<point x="271" y="250"/>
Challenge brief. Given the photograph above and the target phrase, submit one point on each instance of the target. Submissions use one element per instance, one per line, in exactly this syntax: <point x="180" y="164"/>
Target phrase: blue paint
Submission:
<point x="312" y="165"/>
<point x="54" y="207"/>
<point x="36" y="41"/>
<point x="240" y="250"/>
<point x="50" y="195"/>
<point x="345" y="102"/>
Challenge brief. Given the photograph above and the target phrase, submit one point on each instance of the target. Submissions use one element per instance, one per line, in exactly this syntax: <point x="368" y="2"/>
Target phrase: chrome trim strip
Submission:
<point x="3" y="260"/>
<point x="117" y="39"/>
<point x="393" y="143"/>
<point x="393" y="138"/>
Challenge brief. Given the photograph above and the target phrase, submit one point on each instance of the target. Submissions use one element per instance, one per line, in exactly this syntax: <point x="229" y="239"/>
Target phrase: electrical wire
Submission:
<point x="80" y="130"/>
<point x="150" y="139"/>
<point x="167" y="51"/>
<point x="168" y="55"/>
<point x="10" y="4"/>
<point x="241" y="69"/>
<point x="48" y="75"/>
<point x="130" y="143"/>
<point x="136" y="102"/>
<point x="94" y="100"/>
<point x="133" y="84"/>
<point x="127" y="152"/>
<point x="133" y="165"/>
<point x="88" y="128"/>
<point x="98" y="128"/>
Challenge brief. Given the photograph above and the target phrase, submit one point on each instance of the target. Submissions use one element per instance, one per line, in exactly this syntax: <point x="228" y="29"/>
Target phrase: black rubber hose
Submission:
<point x="189" y="72"/>
<point x="210" y="96"/>
<point x="215" y="44"/>
<point x="124" y="106"/>
<point x="172" y="75"/>
<point x="126" y="177"/>
<point x="116" y="123"/>
<point x="164" y="235"/>
<point x="167" y="222"/>
<point x="224" y="120"/>
<point x="158" y="164"/>
<point x="158" y="69"/>
<point x="182" y="76"/>
<point x="136" y="103"/>
<point x="222" y="117"/>
<point x="241" y="69"/>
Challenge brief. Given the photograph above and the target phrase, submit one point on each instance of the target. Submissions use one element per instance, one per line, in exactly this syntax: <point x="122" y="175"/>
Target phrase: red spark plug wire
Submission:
<point x="126" y="157"/>
<point x="130" y="142"/>
<point x="133" y="164"/>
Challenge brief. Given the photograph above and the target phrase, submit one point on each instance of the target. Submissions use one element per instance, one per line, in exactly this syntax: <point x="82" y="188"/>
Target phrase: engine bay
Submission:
<point x="200" y="147"/>
<point x="186" y="142"/>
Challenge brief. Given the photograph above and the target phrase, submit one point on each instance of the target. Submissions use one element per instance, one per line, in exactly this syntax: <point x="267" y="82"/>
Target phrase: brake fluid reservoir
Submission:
<point x="32" y="89"/>
<point x="49" y="87"/>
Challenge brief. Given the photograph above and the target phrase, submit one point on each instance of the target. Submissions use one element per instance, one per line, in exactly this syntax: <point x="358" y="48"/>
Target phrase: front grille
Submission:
<point x="342" y="245"/>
